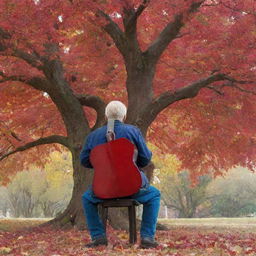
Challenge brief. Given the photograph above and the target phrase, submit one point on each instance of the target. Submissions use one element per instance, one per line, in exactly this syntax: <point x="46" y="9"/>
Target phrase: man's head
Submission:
<point x="115" y="110"/>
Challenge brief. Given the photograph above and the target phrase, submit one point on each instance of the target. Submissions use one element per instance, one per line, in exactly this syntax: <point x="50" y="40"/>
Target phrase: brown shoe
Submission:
<point x="97" y="242"/>
<point x="147" y="243"/>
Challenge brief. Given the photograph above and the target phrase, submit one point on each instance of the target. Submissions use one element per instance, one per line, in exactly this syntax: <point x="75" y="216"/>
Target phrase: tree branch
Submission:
<point x="169" y="33"/>
<point x="239" y="10"/>
<point x="190" y="91"/>
<point x="32" y="59"/>
<point x="4" y="34"/>
<point x="131" y="16"/>
<point x="38" y="83"/>
<point x="97" y="104"/>
<point x="11" y="78"/>
<point x="142" y="7"/>
<point x="232" y="83"/>
<point x="42" y="141"/>
<point x="218" y="91"/>
<point x="114" y="31"/>
<point x="243" y="90"/>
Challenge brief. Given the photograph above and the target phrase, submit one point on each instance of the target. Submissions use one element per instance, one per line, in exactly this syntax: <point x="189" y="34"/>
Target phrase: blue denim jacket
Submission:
<point x="122" y="130"/>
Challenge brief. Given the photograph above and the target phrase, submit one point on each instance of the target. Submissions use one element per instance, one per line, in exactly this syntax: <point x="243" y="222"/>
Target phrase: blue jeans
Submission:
<point x="149" y="197"/>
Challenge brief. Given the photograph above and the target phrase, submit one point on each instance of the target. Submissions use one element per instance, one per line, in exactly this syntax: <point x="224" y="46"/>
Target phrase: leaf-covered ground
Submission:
<point x="180" y="240"/>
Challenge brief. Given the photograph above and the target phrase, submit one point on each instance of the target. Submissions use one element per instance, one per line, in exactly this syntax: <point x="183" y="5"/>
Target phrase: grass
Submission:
<point x="218" y="224"/>
<point x="246" y="224"/>
<point x="211" y="221"/>
<point x="14" y="224"/>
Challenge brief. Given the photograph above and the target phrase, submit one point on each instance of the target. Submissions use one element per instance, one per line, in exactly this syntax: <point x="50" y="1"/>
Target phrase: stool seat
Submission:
<point x="122" y="202"/>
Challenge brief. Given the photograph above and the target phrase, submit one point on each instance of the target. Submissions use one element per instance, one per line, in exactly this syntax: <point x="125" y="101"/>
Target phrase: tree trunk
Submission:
<point x="139" y="88"/>
<point x="77" y="128"/>
<point x="139" y="85"/>
<point x="74" y="215"/>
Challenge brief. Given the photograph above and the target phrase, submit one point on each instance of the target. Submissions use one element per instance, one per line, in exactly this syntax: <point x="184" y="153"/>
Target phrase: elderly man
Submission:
<point x="148" y="195"/>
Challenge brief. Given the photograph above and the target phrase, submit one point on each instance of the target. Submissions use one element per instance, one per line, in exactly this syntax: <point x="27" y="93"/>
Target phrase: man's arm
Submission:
<point x="85" y="153"/>
<point x="144" y="154"/>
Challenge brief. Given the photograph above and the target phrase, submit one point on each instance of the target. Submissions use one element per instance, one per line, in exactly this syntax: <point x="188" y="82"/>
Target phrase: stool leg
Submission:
<point x="104" y="216"/>
<point x="132" y="224"/>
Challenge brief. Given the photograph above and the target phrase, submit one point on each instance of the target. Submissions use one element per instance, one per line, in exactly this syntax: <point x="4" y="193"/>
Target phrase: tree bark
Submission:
<point x="74" y="215"/>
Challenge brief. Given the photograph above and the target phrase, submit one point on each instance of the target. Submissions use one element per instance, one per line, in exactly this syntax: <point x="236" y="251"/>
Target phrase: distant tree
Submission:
<point x="23" y="193"/>
<point x="234" y="194"/>
<point x="178" y="192"/>
<point x="184" y="197"/>
<point x="4" y="202"/>
<point x="58" y="192"/>
<point x="46" y="192"/>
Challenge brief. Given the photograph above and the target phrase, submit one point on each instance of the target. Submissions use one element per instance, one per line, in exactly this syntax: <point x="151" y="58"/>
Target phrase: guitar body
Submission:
<point x="115" y="173"/>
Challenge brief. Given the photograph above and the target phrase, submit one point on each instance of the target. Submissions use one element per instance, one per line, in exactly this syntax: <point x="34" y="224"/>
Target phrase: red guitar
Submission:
<point x="115" y="172"/>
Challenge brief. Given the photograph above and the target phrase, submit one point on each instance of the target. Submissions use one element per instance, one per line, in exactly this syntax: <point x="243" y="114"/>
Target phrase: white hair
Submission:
<point x="115" y="110"/>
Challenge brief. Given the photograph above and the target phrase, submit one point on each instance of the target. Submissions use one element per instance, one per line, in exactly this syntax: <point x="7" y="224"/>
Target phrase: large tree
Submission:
<point x="60" y="59"/>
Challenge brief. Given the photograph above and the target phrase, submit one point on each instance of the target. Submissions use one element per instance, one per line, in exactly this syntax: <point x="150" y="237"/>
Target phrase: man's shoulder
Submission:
<point x="98" y="131"/>
<point x="131" y="127"/>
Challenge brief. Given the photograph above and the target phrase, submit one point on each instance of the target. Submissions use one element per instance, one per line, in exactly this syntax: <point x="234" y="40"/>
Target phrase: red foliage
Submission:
<point x="179" y="242"/>
<point x="213" y="131"/>
<point x="213" y="135"/>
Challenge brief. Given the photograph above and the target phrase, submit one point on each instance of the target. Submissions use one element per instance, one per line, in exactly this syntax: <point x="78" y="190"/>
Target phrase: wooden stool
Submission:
<point x="131" y="204"/>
